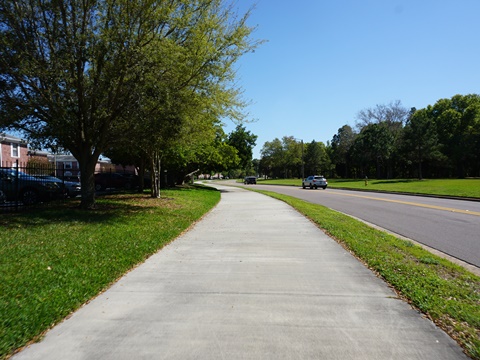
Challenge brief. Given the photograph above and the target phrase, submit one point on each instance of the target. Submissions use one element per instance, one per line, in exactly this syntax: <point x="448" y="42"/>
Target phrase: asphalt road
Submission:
<point x="449" y="226"/>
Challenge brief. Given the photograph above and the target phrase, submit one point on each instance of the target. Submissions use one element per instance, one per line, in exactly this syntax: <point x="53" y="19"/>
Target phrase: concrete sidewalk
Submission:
<point x="253" y="280"/>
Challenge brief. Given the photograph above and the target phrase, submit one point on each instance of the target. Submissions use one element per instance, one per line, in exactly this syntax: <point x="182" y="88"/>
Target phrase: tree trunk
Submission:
<point x="155" y="169"/>
<point x="87" y="164"/>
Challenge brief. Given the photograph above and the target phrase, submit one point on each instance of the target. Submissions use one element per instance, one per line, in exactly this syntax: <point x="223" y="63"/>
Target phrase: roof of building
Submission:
<point x="6" y="138"/>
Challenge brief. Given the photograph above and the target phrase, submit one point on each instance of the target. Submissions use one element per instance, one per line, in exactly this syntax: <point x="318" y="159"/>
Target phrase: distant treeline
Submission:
<point x="389" y="141"/>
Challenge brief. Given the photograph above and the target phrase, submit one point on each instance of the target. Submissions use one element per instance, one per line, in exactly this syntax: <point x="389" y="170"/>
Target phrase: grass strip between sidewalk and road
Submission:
<point x="445" y="292"/>
<point x="54" y="260"/>
<point x="469" y="188"/>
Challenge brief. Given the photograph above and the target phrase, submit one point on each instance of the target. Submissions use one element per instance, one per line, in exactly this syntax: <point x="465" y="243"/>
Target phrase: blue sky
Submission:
<point x="324" y="61"/>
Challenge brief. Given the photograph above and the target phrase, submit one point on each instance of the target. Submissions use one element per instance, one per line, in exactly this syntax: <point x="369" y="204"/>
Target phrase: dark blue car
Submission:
<point x="16" y="185"/>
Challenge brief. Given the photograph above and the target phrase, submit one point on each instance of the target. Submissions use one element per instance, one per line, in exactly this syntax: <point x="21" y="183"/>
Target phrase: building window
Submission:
<point x="15" y="150"/>
<point x="68" y="165"/>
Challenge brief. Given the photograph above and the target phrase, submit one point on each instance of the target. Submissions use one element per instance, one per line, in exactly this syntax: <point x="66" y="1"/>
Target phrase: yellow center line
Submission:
<point x="475" y="213"/>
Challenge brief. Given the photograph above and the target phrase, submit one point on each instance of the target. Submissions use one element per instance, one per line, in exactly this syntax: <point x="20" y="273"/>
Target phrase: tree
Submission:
<point x="69" y="72"/>
<point x="244" y="141"/>
<point x="81" y="74"/>
<point x="458" y="123"/>
<point x="316" y="159"/>
<point x="293" y="157"/>
<point x="341" y="144"/>
<point x="391" y="119"/>
<point x="393" y="114"/>
<point x="420" y="138"/>
<point x="207" y="154"/>
<point x="272" y="158"/>
<point x="283" y="158"/>
<point x="374" y="145"/>
<point x="198" y="80"/>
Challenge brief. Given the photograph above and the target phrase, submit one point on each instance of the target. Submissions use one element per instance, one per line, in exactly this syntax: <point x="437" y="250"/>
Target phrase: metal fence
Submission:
<point x="24" y="186"/>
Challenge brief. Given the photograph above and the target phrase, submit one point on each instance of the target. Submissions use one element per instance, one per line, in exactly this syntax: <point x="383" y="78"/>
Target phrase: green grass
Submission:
<point x="447" y="293"/>
<point x="445" y="187"/>
<point x="55" y="260"/>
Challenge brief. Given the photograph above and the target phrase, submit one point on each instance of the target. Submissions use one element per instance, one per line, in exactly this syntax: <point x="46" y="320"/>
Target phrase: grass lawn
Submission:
<point x="55" y="260"/>
<point x="445" y="292"/>
<point x="447" y="187"/>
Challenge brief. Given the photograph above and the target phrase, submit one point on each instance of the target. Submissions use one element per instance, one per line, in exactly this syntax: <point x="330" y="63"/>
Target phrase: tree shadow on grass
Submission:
<point x="108" y="210"/>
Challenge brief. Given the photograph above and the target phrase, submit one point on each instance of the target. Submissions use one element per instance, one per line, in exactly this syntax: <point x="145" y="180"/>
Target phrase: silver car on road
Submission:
<point x="314" y="182"/>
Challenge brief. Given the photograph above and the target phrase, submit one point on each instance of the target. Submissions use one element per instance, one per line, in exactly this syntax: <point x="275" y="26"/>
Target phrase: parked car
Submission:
<point x="314" y="182"/>
<point x="135" y="180"/>
<point x="114" y="181"/>
<point x="30" y="189"/>
<point x="70" y="178"/>
<point x="72" y="188"/>
<point x="250" y="180"/>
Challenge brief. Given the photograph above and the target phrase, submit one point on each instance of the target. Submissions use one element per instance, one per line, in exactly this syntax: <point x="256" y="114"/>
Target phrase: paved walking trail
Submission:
<point x="253" y="280"/>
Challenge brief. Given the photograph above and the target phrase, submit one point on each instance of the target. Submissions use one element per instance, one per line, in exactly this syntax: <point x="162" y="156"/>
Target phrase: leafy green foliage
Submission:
<point x="340" y="148"/>
<point x="291" y="157"/>
<point x="273" y="158"/>
<point x="244" y="141"/>
<point x="438" y="141"/>
<point x="420" y="139"/>
<point x="207" y="154"/>
<point x="374" y="145"/>
<point x="316" y="159"/>
<point x="94" y="76"/>
<point x="458" y="126"/>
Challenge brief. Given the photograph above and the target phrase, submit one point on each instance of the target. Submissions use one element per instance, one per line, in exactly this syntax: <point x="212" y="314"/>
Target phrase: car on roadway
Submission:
<point x="250" y="180"/>
<point x="17" y="185"/>
<point x="315" y="182"/>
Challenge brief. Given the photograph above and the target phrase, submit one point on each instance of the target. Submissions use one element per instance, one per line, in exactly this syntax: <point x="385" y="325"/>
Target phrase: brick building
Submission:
<point x="12" y="149"/>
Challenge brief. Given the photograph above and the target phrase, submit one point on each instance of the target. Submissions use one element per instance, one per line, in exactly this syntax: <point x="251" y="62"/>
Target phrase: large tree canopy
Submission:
<point x="420" y="140"/>
<point x="316" y="161"/>
<point x="441" y="140"/>
<point x="83" y="74"/>
<point x="393" y="114"/>
<point x="458" y="126"/>
<point x="341" y="143"/>
<point x="244" y="141"/>
<point x="272" y="158"/>
<point x="291" y="157"/>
